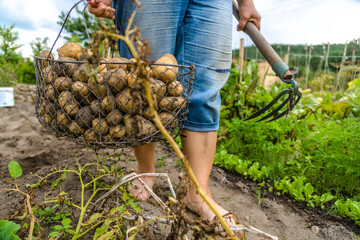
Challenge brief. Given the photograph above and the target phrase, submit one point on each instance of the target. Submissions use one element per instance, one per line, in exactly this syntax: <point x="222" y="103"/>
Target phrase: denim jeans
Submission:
<point x="196" y="32"/>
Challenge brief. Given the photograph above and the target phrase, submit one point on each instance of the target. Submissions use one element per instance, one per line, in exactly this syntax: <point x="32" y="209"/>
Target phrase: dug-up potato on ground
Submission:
<point x="117" y="132"/>
<point x="75" y="129"/>
<point x="100" y="126"/>
<point x="63" y="83"/>
<point x="125" y="101"/>
<point x="84" y="117"/>
<point x="164" y="72"/>
<point x="91" y="136"/>
<point x="175" y="88"/>
<point x="65" y="66"/>
<point x="68" y="103"/>
<point x="116" y="79"/>
<point x="62" y="120"/>
<point x="71" y="49"/>
<point x="171" y="103"/>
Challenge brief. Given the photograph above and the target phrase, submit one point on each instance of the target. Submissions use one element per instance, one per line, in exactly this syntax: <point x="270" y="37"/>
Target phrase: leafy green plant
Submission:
<point x="8" y="230"/>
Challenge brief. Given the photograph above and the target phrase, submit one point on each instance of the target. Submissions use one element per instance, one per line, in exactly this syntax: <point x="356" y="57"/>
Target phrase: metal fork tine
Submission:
<point x="276" y="109"/>
<point x="267" y="106"/>
<point x="288" y="109"/>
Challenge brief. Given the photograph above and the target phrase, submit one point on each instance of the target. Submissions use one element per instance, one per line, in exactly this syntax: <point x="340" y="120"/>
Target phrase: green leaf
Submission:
<point x="106" y="235"/>
<point x="15" y="169"/>
<point x="134" y="206"/>
<point x="52" y="234"/>
<point x="66" y="221"/>
<point x="101" y="230"/>
<point x="343" y="109"/>
<point x="8" y="230"/>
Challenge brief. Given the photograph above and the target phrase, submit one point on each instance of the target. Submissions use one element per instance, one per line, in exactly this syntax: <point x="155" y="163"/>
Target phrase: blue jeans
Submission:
<point x="196" y="32"/>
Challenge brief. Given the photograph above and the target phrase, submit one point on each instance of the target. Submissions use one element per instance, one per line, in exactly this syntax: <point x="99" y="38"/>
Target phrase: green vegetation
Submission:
<point x="311" y="155"/>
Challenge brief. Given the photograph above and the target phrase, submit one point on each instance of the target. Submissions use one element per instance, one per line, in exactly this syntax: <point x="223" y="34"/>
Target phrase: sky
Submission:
<point x="283" y="21"/>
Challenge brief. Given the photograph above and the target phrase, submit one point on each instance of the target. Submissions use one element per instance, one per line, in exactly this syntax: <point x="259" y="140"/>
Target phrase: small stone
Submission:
<point x="315" y="229"/>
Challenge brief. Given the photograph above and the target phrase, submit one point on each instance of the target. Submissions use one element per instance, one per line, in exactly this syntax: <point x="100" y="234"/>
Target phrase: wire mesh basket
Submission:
<point x="112" y="111"/>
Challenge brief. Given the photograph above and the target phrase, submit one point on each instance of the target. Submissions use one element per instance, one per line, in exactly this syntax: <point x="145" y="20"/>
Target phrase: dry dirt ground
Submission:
<point x="23" y="139"/>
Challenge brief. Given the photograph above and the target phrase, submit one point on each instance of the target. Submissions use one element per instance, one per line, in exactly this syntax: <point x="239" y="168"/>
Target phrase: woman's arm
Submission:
<point x="101" y="8"/>
<point x="248" y="13"/>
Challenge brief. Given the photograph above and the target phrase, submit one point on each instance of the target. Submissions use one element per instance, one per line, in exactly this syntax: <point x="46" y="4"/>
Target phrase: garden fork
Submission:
<point x="279" y="67"/>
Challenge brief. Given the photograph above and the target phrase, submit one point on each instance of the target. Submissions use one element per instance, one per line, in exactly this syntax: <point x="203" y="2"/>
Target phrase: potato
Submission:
<point x="80" y="73"/>
<point x="48" y="75"/>
<point x="76" y="129"/>
<point x="50" y="93"/>
<point x="88" y="99"/>
<point x="91" y="136"/>
<point x="147" y="113"/>
<point x="132" y="62"/>
<point x="143" y="127"/>
<point x="65" y="67"/>
<point x="45" y="54"/>
<point x="84" y="117"/>
<point x="168" y="118"/>
<point x="68" y="103"/>
<point x="133" y="81"/>
<point x="117" y="131"/>
<point x="100" y="126"/>
<point x="113" y="63"/>
<point x="171" y="103"/>
<point x="116" y="79"/>
<point x="165" y="73"/>
<point x="71" y="49"/>
<point x="99" y="89"/>
<point x="80" y="90"/>
<point x="63" y="83"/>
<point x="95" y="107"/>
<point x="48" y="119"/>
<point x="108" y="138"/>
<point x="108" y="103"/>
<point x="47" y="108"/>
<point x="157" y="87"/>
<point x="125" y="101"/>
<point x="63" y="120"/>
<point x="114" y="117"/>
<point x="175" y="88"/>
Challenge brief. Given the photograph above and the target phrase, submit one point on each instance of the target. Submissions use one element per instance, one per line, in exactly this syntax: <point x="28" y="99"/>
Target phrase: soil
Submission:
<point x="24" y="140"/>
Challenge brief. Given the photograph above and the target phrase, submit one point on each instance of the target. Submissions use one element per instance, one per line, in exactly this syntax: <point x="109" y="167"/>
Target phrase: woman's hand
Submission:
<point x="101" y="8"/>
<point x="248" y="13"/>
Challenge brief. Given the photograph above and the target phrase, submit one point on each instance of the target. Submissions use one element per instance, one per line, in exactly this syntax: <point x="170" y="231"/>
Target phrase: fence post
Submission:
<point x="241" y="59"/>
<point x="308" y="68"/>
<point x="341" y="66"/>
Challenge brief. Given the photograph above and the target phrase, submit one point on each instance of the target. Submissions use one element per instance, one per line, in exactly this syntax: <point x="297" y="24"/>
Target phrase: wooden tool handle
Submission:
<point x="279" y="67"/>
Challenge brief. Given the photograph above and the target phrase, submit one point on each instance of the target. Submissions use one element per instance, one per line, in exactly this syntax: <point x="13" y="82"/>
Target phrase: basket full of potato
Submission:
<point x="109" y="108"/>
